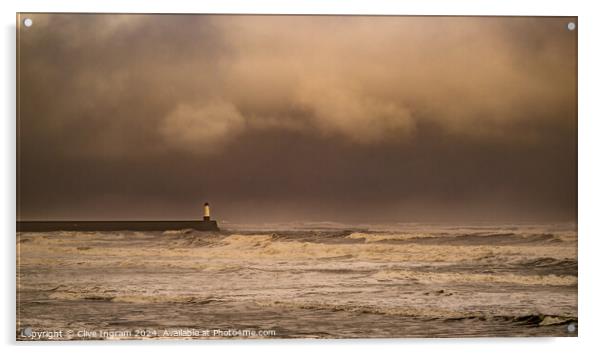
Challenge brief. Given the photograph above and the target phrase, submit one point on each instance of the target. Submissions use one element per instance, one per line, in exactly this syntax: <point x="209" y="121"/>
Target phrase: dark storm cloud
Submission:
<point x="292" y="117"/>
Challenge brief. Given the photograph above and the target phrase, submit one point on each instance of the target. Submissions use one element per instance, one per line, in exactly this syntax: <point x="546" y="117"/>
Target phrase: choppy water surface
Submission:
<point x="308" y="281"/>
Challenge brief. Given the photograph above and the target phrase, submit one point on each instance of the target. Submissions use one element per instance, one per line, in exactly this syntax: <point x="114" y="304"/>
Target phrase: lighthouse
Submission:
<point x="206" y="224"/>
<point x="206" y="212"/>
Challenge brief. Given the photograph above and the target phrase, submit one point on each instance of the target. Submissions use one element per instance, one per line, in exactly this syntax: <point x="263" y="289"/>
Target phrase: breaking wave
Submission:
<point x="461" y="239"/>
<point x="536" y="319"/>
<point x="444" y="278"/>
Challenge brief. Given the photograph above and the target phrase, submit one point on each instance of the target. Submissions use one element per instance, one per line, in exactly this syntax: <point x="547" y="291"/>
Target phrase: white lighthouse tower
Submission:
<point x="206" y="212"/>
<point x="206" y="224"/>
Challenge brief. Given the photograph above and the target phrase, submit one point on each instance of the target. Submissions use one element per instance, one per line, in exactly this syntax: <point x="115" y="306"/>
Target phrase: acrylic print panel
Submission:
<point x="238" y="176"/>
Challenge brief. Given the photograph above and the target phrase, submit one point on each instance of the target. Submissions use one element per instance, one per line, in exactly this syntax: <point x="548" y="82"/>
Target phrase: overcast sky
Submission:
<point x="287" y="118"/>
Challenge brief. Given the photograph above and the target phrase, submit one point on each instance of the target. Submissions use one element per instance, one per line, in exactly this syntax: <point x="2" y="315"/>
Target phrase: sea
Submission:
<point x="299" y="280"/>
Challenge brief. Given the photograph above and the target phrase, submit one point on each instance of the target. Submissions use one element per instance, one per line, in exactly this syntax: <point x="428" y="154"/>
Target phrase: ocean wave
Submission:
<point x="443" y="278"/>
<point x="549" y="262"/>
<point x="406" y="311"/>
<point x="134" y="299"/>
<point x="178" y="232"/>
<point x="536" y="319"/>
<point x="247" y="241"/>
<point x="530" y="320"/>
<point x="377" y="237"/>
<point x="492" y="239"/>
<point x="264" y="246"/>
<point x="98" y="293"/>
<point x="192" y="250"/>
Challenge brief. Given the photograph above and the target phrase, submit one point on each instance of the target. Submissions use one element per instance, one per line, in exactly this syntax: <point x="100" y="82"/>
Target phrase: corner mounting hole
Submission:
<point x="571" y="26"/>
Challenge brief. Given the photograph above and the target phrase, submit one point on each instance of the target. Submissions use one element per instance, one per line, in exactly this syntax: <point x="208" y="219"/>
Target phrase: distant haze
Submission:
<point x="288" y="118"/>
